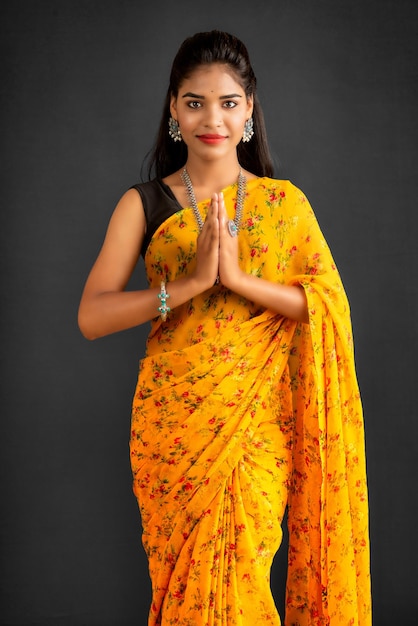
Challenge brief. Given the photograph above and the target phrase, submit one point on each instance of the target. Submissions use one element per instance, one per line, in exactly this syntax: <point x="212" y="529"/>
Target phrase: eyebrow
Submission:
<point x="195" y="95"/>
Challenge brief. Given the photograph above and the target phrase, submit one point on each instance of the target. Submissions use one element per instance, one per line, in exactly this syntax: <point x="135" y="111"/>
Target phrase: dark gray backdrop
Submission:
<point x="82" y="87"/>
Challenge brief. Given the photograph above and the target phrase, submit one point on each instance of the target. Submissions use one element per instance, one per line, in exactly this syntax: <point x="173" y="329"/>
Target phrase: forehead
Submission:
<point x="214" y="78"/>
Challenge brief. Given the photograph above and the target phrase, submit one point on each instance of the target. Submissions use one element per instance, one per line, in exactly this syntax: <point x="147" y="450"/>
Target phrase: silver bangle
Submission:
<point x="163" y="296"/>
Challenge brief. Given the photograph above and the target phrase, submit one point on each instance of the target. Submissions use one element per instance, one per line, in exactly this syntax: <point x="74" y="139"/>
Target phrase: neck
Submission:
<point x="216" y="175"/>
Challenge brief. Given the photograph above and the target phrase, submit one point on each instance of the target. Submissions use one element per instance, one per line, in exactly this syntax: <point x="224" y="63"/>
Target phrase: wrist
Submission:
<point x="198" y="284"/>
<point x="236" y="281"/>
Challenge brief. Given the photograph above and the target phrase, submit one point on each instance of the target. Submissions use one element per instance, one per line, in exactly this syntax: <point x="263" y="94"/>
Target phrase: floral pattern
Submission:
<point x="238" y="413"/>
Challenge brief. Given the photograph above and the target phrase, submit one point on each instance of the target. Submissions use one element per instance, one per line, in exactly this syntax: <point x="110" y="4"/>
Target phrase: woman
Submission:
<point x="247" y="400"/>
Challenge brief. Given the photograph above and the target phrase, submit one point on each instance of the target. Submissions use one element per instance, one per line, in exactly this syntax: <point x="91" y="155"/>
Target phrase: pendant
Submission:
<point x="232" y="228"/>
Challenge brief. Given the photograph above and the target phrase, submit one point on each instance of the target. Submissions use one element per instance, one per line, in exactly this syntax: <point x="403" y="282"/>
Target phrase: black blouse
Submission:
<point x="159" y="203"/>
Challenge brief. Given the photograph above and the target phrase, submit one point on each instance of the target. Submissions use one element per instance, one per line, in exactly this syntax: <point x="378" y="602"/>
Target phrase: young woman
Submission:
<point x="247" y="400"/>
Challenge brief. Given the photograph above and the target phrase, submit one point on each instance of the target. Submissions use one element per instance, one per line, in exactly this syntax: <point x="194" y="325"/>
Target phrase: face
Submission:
<point x="211" y="108"/>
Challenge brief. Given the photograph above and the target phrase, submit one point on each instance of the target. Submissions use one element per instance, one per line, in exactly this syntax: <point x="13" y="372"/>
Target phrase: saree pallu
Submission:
<point x="238" y="413"/>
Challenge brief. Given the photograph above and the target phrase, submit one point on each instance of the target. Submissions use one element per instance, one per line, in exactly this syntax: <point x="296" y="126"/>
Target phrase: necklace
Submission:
<point x="233" y="225"/>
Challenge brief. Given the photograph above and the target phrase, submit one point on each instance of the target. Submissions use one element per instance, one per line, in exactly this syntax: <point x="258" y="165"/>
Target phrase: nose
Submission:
<point x="213" y="117"/>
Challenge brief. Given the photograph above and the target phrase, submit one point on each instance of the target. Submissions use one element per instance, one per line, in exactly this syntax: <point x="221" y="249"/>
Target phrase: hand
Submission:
<point x="207" y="253"/>
<point x="229" y="270"/>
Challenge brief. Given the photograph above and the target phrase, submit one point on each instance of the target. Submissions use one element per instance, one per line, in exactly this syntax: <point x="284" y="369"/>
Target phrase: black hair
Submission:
<point x="205" y="48"/>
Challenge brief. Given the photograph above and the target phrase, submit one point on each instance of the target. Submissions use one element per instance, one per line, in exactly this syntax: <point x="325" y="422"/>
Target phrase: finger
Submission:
<point x="214" y="205"/>
<point x="222" y="214"/>
<point x="211" y="222"/>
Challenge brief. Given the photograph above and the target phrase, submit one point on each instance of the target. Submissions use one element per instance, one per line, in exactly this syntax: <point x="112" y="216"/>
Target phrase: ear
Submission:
<point x="250" y="106"/>
<point x="173" y="107"/>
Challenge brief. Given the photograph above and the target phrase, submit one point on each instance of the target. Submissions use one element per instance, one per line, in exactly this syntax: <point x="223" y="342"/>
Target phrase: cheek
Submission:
<point x="239" y="123"/>
<point x="186" y="124"/>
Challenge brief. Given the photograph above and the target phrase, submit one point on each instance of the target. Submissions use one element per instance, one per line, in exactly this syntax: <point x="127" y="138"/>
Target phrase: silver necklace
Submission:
<point x="233" y="225"/>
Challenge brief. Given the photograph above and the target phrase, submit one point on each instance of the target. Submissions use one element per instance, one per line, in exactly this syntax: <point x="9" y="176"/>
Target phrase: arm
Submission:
<point x="105" y="306"/>
<point x="288" y="300"/>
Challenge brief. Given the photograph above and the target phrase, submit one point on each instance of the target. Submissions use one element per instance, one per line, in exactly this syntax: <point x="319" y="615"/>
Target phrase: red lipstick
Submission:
<point x="210" y="138"/>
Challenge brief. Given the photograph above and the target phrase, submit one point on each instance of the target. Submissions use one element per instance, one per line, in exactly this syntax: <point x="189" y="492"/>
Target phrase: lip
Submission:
<point x="212" y="139"/>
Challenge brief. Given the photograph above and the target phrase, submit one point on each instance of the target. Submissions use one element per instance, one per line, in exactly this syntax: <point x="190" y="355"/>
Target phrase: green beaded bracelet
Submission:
<point x="163" y="296"/>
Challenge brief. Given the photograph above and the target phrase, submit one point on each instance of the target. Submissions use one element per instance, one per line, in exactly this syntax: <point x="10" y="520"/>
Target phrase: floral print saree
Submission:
<point x="238" y="413"/>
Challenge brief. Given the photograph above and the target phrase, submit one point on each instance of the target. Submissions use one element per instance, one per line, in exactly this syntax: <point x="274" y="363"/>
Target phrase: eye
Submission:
<point x="230" y="104"/>
<point x="194" y="104"/>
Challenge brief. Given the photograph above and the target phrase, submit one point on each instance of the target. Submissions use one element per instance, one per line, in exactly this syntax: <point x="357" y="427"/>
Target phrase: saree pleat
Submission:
<point x="239" y="412"/>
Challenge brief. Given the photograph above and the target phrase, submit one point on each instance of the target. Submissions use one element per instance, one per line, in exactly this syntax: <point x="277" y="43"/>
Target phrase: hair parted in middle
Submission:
<point x="203" y="49"/>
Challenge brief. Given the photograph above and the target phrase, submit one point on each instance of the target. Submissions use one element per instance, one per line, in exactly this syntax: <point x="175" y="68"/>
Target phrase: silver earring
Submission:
<point x="248" y="130"/>
<point x="174" y="130"/>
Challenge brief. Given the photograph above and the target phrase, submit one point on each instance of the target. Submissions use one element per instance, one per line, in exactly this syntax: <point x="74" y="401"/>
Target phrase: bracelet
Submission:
<point x="163" y="309"/>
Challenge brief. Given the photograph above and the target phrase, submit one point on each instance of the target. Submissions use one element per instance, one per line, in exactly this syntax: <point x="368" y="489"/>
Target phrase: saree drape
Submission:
<point x="238" y="413"/>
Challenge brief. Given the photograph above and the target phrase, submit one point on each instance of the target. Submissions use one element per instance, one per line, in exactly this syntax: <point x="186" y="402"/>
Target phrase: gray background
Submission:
<point x="81" y="87"/>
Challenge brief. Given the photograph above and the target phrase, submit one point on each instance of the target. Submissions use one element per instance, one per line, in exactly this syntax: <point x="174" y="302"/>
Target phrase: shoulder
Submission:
<point x="145" y="188"/>
<point x="280" y="191"/>
<point x="284" y="200"/>
<point x="129" y="209"/>
<point x="285" y="186"/>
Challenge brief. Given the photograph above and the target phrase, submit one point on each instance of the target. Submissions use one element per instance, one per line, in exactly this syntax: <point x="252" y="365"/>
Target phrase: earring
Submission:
<point x="248" y="130"/>
<point x="174" y="130"/>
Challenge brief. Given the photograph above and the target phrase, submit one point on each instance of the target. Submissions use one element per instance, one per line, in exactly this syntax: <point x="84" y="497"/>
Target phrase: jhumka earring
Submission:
<point x="174" y="130"/>
<point x="248" y="130"/>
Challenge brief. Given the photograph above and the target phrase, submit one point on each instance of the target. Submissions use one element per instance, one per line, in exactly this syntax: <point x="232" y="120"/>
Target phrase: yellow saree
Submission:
<point x="239" y="412"/>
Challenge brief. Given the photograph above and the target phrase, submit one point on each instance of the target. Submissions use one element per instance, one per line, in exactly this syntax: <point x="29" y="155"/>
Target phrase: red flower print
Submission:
<point x="282" y="194"/>
<point x="253" y="252"/>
